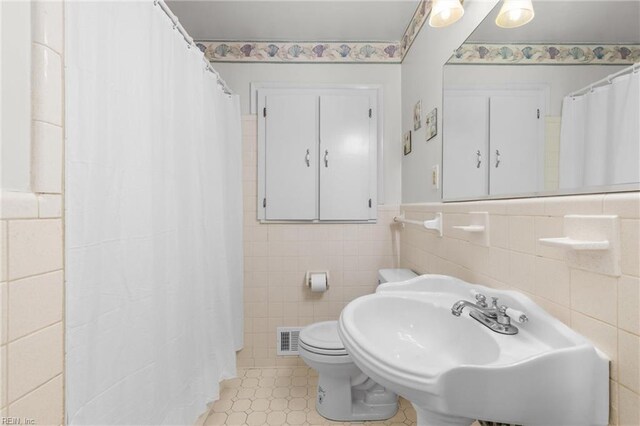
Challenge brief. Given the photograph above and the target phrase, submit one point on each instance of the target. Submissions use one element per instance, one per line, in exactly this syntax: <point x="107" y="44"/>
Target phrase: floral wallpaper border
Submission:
<point x="301" y="52"/>
<point x="548" y="54"/>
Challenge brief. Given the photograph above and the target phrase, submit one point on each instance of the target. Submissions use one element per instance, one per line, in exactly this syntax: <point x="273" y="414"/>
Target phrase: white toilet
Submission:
<point x="344" y="392"/>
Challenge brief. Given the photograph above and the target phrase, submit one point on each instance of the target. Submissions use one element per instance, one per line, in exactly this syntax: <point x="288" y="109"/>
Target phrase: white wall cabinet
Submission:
<point x="317" y="155"/>
<point x="291" y="160"/>
<point x="493" y="142"/>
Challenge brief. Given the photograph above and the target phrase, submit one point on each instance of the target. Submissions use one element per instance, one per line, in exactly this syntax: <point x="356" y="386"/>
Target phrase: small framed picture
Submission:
<point x="407" y="143"/>
<point x="417" y="115"/>
<point x="431" y="124"/>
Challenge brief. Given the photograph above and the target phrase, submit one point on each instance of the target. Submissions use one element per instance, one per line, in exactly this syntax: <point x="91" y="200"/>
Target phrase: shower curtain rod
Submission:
<point x="177" y="25"/>
<point x="607" y="80"/>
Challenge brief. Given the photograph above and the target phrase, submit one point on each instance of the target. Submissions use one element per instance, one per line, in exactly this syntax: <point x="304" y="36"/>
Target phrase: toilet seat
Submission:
<point x="322" y="338"/>
<point x="321" y="351"/>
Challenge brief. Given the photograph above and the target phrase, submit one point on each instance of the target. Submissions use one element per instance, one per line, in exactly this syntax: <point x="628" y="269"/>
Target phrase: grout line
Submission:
<point x="34" y="332"/>
<point x="626" y="387"/>
<point x="9" y="404"/>
<point x="34" y="275"/>
<point x="31" y="333"/>
<point x="48" y="48"/>
<point x="16" y="219"/>
<point x="60" y="126"/>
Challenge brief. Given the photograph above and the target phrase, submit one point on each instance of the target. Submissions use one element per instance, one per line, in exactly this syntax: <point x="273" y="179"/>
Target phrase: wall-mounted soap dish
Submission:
<point x="470" y="228"/>
<point x="573" y="244"/>
<point x="591" y="243"/>
<point x="478" y="228"/>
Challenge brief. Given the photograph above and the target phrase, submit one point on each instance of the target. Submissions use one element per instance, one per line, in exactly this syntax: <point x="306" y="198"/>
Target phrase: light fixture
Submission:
<point x="445" y="12"/>
<point x="515" y="13"/>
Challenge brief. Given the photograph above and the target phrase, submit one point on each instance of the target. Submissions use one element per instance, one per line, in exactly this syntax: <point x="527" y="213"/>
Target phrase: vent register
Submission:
<point x="288" y="338"/>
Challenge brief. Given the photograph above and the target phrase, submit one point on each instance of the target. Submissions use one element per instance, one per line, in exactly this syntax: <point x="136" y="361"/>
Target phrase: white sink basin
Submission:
<point x="455" y="370"/>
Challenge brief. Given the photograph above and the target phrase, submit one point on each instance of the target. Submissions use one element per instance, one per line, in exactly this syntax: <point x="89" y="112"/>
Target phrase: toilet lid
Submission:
<point x="322" y="335"/>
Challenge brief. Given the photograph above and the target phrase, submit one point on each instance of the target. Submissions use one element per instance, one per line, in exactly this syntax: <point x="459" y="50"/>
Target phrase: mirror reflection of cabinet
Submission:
<point x="588" y="133"/>
<point x="494" y="142"/>
<point x="317" y="155"/>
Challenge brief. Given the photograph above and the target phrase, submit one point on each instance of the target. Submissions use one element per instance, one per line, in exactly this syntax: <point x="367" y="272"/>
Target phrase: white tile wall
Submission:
<point x="3" y="251"/>
<point x="41" y="294"/>
<point x="46" y="158"/>
<point x="35" y="247"/>
<point x="44" y="405"/>
<point x="4" y="314"/>
<point x="3" y="376"/>
<point x="31" y="245"/>
<point x="629" y="304"/>
<point x="34" y="360"/>
<point x="278" y="255"/>
<point x="49" y="205"/>
<point x="603" y="308"/>
<point x="47" y="23"/>
<point x="18" y="205"/>
<point x="46" y="84"/>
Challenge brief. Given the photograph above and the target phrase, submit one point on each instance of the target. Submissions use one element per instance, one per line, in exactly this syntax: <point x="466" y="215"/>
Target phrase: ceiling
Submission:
<point x="587" y="21"/>
<point x="300" y="20"/>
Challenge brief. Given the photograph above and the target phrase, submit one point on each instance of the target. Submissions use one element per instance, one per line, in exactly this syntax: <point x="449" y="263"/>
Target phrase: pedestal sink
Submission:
<point x="454" y="370"/>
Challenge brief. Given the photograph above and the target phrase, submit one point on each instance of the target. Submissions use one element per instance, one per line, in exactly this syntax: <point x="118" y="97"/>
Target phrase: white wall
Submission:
<point x="561" y="80"/>
<point x="15" y="78"/>
<point x="422" y="80"/>
<point x="239" y="76"/>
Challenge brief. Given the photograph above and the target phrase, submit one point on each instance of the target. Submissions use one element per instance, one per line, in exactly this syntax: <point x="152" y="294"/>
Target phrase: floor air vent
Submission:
<point x="288" y="340"/>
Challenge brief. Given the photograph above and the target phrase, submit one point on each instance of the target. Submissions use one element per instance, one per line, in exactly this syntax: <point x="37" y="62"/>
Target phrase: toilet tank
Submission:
<point x="395" y="275"/>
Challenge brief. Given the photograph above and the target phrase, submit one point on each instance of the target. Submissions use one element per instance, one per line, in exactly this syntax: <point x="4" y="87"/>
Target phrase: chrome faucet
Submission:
<point x="497" y="317"/>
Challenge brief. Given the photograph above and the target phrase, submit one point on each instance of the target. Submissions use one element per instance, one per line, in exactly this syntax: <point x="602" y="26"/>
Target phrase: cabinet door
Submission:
<point x="465" y="147"/>
<point x="345" y="157"/>
<point x="516" y="143"/>
<point x="291" y="157"/>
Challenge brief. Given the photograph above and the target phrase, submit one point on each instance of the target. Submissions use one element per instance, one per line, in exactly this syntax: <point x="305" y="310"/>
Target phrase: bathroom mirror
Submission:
<point x="551" y="107"/>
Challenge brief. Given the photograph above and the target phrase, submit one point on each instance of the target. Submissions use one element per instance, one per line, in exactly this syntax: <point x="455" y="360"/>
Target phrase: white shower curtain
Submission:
<point x="153" y="220"/>
<point x="600" y="135"/>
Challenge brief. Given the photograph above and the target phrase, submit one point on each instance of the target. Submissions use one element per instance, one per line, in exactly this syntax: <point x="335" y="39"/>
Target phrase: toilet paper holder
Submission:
<point x="307" y="278"/>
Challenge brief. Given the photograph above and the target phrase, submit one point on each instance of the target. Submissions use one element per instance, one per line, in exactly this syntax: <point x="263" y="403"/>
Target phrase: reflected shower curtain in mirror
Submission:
<point x="600" y="135"/>
<point x="153" y="220"/>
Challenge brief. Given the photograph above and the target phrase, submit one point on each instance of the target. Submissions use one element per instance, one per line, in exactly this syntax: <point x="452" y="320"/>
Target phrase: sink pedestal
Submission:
<point x="429" y="418"/>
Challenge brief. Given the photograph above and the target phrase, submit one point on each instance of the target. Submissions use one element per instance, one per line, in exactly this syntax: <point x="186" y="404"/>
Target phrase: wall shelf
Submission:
<point x="573" y="244"/>
<point x="591" y="243"/>
<point x="476" y="231"/>
<point x="470" y="228"/>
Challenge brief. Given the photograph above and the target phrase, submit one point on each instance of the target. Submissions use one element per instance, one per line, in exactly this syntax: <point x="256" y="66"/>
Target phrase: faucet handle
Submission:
<point x="516" y="314"/>
<point x="481" y="298"/>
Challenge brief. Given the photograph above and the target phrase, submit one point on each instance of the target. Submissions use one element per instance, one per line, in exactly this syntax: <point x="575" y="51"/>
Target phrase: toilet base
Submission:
<point x="339" y="399"/>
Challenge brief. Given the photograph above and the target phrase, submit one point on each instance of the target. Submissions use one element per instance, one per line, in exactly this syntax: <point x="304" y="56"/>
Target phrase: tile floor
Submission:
<point x="279" y="396"/>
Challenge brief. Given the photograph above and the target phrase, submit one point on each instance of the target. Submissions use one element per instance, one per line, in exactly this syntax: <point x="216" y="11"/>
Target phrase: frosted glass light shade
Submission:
<point x="515" y="13"/>
<point x="445" y="12"/>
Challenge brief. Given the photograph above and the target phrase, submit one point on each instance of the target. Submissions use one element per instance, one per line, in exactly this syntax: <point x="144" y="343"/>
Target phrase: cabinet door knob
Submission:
<point x="497" y="158"/>
<point x="326" y="158"/>
<point x="479" y="159"/>
<point x="307" y="159"/>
